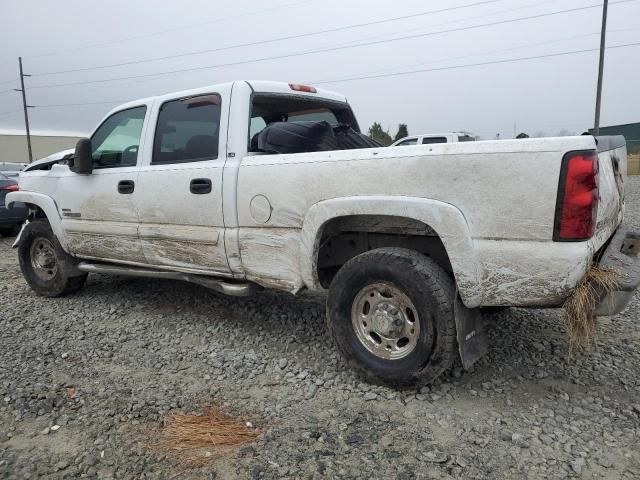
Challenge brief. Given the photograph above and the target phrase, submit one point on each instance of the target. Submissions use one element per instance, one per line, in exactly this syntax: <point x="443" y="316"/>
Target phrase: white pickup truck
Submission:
<point x="254" y="184"/>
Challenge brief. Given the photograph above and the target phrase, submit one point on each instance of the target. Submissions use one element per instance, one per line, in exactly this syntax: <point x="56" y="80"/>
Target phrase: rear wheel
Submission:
<point x="390" y="313"/>
<point x="44" y="264"/>
<point x="493" y="310"/>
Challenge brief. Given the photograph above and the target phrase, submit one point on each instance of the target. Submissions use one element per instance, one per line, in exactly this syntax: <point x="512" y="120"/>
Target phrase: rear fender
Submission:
<point x="445" y="219"/>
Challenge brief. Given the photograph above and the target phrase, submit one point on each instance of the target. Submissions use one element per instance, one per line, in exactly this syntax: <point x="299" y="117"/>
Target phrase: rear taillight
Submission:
<point x="10" y="188"/>
<point x="302" y="88"/>
<point x="577" y="203"/>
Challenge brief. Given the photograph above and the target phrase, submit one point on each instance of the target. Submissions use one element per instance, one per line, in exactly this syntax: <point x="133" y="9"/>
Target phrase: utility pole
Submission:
<point x="603" y="32"/>
<point x="25" y="107"/>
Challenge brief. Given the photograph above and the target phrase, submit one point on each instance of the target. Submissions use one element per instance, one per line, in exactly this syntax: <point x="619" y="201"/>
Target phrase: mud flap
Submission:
<point x="19" y="237"/>
<point x="472" y="341"/>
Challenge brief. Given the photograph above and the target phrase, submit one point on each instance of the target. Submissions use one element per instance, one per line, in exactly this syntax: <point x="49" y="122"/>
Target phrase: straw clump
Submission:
<point x="580" y="321"/>
<point x="195" y="438"/>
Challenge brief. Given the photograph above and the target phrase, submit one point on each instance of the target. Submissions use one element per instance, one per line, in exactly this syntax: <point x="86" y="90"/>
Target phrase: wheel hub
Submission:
<point x="43" y="259"/>
<point x="385" y="321"/>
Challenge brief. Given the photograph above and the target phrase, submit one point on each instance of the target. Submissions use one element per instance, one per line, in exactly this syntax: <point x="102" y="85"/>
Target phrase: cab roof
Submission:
<point x="260" y="86"/>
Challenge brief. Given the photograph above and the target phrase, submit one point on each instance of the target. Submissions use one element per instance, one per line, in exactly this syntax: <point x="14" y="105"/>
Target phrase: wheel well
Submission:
<point x="343" y="238"/>
<point x="36" y="212"/>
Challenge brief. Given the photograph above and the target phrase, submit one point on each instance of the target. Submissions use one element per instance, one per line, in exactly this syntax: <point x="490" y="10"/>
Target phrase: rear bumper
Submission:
<point x="623" y="255"/>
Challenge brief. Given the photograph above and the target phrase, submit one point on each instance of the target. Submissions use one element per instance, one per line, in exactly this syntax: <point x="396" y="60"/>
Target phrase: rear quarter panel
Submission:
<point x="505" y="190"/>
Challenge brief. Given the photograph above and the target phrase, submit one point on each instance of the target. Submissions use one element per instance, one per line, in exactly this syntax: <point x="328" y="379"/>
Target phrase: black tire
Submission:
<point x="60" y="282"/>
<point x="432" y="293"/>
<point x="493" y="310"/>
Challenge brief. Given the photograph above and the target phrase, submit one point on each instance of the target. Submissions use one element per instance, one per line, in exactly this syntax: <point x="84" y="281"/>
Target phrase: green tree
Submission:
<point x="403" y="131"/>
<point x="379" y="134"/>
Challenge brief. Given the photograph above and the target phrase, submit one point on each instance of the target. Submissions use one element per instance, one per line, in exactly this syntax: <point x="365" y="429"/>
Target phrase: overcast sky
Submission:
<point x="540" y="95"/>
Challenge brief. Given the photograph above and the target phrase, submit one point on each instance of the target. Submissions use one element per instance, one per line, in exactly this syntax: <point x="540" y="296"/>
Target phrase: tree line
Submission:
<point x="384" y="137"/>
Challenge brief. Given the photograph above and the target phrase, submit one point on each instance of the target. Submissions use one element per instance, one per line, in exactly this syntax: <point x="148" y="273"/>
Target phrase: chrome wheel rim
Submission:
<point x="385" y="321"/>
<point x="43" y="259"/>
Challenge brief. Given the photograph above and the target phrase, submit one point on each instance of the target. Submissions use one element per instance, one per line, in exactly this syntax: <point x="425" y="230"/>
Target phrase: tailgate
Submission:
<point x="612" y="175"/>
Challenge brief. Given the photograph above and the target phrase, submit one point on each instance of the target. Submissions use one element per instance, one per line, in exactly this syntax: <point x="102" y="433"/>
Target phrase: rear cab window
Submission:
<point x="270" y="108"/>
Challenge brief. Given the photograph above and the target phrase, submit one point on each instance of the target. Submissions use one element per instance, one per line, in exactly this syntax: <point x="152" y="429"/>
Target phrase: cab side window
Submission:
<point x="116" y="142"/>
<point x="188" y="130"/>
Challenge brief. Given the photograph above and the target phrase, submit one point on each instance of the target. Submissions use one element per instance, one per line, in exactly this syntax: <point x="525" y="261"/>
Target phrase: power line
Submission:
<point x="272" y="40"/>
<point x="494" y="62"/>
<point x="9" y="81"/>
<point x="476" y="54"/>
<point x="10" y="111"/>
<point x="81" y="104"/>
<point x="324" y="50"/>
<point x="395" y="74"/>
<point x="392" y="68"/>
<point x="440" y="24"/>
<point x="162" y="32"/>
<point x="457" y="20"/>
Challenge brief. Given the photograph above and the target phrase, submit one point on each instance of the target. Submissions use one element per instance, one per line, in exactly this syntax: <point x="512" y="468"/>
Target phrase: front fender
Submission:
<point x="445" y="219"/>
<point x="46" y="204"/>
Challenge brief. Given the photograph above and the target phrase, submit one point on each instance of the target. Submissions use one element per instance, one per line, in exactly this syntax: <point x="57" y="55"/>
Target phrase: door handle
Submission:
<point x="200" y="186"/>
<point x="126" y="186"/>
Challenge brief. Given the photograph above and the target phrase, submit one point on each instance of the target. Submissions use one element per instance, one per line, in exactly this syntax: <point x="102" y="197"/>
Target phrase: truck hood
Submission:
<point x="45" y="163"/>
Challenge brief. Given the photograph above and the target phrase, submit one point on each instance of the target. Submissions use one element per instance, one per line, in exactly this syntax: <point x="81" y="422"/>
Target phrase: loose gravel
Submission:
<point x="85" y="379"/>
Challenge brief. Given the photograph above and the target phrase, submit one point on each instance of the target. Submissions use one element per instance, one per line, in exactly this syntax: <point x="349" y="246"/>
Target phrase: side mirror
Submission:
<point x="82" y="159"/>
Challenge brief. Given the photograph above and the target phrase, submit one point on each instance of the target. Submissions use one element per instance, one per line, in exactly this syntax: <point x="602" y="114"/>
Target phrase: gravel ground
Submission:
<point x="134" y="350"/>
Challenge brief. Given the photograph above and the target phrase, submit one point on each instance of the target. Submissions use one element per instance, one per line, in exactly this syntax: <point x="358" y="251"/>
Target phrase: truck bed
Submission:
<point x="504" y="191"/>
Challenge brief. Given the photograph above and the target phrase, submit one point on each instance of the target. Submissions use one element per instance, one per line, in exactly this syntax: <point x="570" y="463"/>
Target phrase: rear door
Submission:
<point x="179" y="198"/>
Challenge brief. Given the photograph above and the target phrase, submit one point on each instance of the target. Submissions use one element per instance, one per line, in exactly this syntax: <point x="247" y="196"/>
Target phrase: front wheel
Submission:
<point x="390" y="313"/>
<point x="45" y="264"/>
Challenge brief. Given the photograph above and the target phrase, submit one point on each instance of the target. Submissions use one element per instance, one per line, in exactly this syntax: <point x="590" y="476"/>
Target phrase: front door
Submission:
<point x="180" y="195"/>
<point x="98" y="213"/>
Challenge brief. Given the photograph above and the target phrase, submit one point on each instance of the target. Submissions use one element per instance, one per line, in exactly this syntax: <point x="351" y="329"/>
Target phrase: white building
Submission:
<point x="13" y="144"/>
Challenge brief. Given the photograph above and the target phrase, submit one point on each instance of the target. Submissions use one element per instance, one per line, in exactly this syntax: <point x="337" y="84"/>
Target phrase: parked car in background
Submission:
<point x="10" y="219"/>
<point x="447" y="137"/>
<point x="11" y="169"/>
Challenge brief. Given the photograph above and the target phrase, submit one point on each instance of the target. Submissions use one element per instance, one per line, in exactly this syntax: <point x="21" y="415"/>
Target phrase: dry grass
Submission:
<point x="578" y="308"/>
<point x="196" y="438"/>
